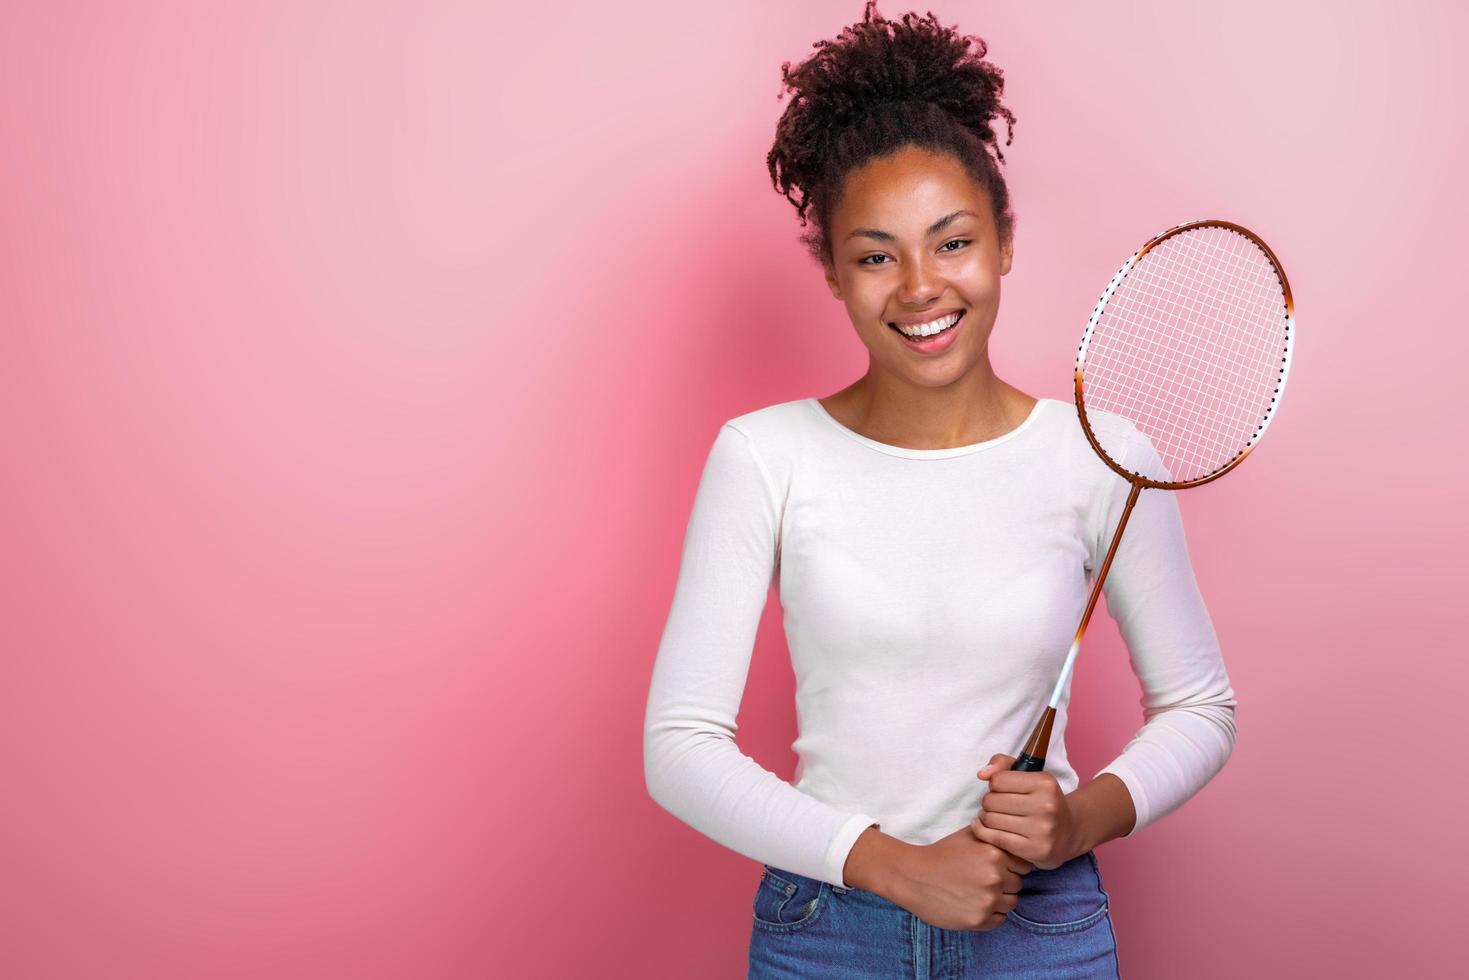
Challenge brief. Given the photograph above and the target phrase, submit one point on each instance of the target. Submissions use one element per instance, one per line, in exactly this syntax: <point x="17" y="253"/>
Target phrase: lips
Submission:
<point x="926" y="318"/>
<point x="894" y="327"/>
<point x="933" y="345"/>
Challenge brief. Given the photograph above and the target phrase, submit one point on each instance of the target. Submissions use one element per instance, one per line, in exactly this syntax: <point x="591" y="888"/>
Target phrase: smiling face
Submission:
<point x="913" y="238"/>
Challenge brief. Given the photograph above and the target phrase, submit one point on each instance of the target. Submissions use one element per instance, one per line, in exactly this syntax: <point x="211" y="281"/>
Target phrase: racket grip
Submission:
<point x="1032" y="758"/>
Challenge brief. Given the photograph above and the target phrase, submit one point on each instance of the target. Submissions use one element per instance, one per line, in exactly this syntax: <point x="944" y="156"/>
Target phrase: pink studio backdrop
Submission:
<point x="360" y="362"/>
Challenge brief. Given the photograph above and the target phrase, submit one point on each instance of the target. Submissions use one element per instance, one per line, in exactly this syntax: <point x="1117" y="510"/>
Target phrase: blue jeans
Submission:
<point x="805" y="928"/>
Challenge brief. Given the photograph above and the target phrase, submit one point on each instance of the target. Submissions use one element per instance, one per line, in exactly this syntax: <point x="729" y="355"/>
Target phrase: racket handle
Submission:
<point x="1032" y="758"/>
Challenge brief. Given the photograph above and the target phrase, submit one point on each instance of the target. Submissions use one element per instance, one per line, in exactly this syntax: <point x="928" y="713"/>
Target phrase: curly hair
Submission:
<point x="880" y="86"/>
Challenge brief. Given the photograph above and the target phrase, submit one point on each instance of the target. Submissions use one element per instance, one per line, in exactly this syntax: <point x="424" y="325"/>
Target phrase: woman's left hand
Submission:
<point x="1026" y="814"/>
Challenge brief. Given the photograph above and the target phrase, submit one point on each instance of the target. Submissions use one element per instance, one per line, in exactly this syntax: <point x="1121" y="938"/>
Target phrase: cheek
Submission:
<point x="982" y="285"/>
<point x="981" y="274"/>
<point x="866" y="308"/>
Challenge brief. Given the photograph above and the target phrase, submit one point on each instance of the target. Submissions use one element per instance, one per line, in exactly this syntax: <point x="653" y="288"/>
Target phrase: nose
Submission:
<point x="921" y="283"/>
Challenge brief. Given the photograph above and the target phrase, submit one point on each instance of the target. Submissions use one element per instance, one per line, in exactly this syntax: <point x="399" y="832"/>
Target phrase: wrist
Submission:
<point x="1083" y="834"/>
<point x="871" y="861"/>
<point x="1102" y="810"/>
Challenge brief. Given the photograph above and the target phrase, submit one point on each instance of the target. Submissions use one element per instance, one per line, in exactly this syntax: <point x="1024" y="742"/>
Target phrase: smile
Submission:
<point x="939" y="338"/>
<point x="930" y="328"/>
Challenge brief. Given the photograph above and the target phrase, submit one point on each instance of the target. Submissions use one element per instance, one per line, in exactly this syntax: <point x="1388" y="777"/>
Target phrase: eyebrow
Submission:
<point x="933" y="229"/>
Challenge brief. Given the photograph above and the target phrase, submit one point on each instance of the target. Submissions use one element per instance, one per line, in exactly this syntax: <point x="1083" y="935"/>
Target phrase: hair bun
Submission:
<point x="876" y="64"/>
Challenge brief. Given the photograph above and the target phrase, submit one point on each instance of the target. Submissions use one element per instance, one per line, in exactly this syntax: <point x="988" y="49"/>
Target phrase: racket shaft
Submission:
<point x="1032" y="758"/>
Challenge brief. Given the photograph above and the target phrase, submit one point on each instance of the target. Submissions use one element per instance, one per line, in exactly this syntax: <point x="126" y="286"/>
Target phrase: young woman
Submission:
<point x="932" y="530"/>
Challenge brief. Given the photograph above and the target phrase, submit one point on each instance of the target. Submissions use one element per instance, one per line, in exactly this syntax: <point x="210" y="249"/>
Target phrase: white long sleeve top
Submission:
<point x="930" y="597"/>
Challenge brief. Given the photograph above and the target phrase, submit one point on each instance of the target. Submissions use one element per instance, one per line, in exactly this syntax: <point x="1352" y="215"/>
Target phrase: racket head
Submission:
<point x="1190" y="344"/>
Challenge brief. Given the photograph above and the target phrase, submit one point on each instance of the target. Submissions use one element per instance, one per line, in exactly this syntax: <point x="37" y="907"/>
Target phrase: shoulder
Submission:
<point x="1116" y="433"/>
<point x="1127" y="444"/>
<point x="1061" y="448"/>
<point x="777" y="436"/>
<point x="1061" y="431"/>
<point x="777" y="431"/>
<point x="773" y="422"/>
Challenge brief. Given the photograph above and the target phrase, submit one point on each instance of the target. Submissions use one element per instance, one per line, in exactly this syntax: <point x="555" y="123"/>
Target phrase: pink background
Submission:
<point x="359" y="366"/>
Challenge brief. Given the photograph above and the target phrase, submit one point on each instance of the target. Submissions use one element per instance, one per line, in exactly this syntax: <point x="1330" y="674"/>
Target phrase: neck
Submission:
<point x="976" y="408"/>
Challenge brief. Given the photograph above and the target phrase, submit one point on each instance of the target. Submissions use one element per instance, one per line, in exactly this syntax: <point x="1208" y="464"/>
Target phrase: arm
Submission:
<point x="1103" y="810"/>
<point x="872" y="861"/>
<point x="1187" y="700"/>
<point x="691" y="763"/>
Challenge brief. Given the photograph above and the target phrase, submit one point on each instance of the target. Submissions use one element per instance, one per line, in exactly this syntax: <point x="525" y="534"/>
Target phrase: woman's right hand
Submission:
<point x="957" y="882"/>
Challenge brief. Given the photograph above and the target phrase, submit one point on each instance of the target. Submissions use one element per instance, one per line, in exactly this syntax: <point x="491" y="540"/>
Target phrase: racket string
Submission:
<point x="1189" y="348"/>
<point x="1212" y="395"/>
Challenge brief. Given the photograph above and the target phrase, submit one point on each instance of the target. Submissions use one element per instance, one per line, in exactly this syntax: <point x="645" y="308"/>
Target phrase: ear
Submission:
<point x="831" y="280"/>
<point x="1007" y="254"/>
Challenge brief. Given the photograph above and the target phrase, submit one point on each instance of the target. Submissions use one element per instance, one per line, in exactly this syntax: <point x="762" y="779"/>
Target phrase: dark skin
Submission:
<point x="909" y="399"/>
<point x="970" y="878"/>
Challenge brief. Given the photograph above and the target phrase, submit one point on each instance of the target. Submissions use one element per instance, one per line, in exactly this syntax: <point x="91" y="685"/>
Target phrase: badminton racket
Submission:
<point x="1189" y="345"/>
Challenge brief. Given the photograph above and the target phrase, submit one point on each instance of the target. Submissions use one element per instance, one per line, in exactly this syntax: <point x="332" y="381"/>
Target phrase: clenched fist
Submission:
<point x="1026" y="814"/>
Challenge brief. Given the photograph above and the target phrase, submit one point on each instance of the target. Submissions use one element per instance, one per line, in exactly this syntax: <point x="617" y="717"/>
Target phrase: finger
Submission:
<point x="1013" y="882"/>
<point x="1009" y="781"/>
<point x="1007" y="822"/>
<point x="1002" y="839"/>
<point x="1005" y="803"/>
<point x="998" y="763"/>
<point x="992" y="921"/>
<point x="1018" y="864"/>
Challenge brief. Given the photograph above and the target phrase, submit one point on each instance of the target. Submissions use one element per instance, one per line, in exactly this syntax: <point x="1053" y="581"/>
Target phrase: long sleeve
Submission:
<point x="691" y="763"/>
<point x="1188" y="704"/>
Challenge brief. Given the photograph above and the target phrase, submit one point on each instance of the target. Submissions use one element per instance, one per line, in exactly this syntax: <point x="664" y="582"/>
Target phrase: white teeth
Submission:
<point x="930" y="328"/>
